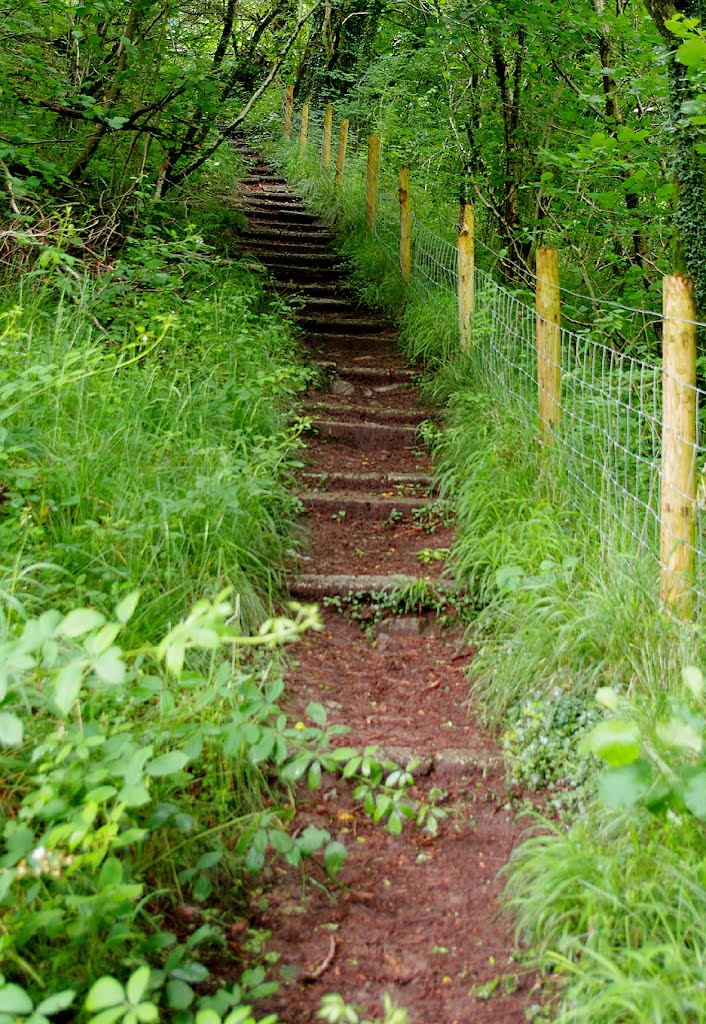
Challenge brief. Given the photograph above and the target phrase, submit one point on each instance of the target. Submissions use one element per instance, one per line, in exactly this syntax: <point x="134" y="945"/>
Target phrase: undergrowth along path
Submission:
<point x="414" y="915"/>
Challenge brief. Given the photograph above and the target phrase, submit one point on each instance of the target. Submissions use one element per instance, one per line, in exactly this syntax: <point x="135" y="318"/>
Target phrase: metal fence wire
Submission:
<point x="610" y="439"/>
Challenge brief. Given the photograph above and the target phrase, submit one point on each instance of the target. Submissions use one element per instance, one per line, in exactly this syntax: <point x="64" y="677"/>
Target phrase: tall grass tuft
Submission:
<point x="156" y="461"/>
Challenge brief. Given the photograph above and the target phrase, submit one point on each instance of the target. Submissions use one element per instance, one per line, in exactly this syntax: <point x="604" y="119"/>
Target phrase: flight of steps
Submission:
<point x="367" y="475"/>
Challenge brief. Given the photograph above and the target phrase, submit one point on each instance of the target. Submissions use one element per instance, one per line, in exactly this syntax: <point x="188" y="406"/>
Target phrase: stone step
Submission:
<point x="273" y="194"/>
<point x="340" y="323"/>
<point x="325" y="289"/>
<point x="377" y="350"/>
<point x="324" y="259"/>
<point x="258" y="177"/>
<point x="365" y="412"/>
<point x="277" y="249"/>
<point x="369" y="481"/>
<point x="369" y="505"/>
<point x="322" y="304"/>
<point x="314" y="586"/>
<point x="371" y="374"/>
<point x="307" y="233"/>
<point x="279" y="218"/>
<point x="365" y="435"/>
<point x="300" y="275"/>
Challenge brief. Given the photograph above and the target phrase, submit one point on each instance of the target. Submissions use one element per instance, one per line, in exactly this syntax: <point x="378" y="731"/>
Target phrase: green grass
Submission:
<point x="614" y="910"/>
<point x="157" y="462"/>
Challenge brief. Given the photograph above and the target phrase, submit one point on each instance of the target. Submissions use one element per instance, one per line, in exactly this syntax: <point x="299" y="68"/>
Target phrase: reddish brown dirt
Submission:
<point x="417" y="915"/>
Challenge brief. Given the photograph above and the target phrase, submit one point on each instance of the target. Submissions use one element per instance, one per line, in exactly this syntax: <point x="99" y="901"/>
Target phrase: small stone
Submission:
<point x="342" y="387"/>
<point x="402" y="625"/>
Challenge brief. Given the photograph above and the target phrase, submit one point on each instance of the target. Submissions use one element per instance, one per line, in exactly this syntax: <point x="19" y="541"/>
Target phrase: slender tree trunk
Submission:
<point x="109" y="99"/>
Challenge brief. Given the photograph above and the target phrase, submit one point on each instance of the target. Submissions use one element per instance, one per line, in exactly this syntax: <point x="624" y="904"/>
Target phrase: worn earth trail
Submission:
<point x="416" y="915"/>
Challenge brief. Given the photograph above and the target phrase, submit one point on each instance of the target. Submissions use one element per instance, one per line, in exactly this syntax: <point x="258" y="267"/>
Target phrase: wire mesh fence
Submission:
<point x="609" y="446"/>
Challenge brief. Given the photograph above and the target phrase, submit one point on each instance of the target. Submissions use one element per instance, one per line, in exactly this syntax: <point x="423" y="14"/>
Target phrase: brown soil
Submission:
<point x="416" y="915"/>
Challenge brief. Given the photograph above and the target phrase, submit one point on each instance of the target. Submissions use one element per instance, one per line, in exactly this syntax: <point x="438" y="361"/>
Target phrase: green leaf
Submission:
<point x="607" y="696"/>
<point x="15" y="1001"/>
<point x="191" y="971"/>
<point x="126" y="609"/>
<point x="134" y="795"/>
<point x="693" y="679"/>
<point x="167" y="764"/>
<point x="335" y="856"/>
<point x="147" y="1012"/>
<point x="312" y="839"/>
<point x="180" y="996"/>
<point x="56" y="1003"/>
<point x="117" y="122"/>
<point x="317" y="713"/>
<point x="693" y="792"/>
<point x="675" y="732"/>
<point x="508" y="577"/>
<point x="80" y="621"/>
<point x="201" y="889"/>
<point x="617" y="742"/>
<point x="107" y="991"/>
<point x="137" y="985"/>
<point x="692" y="52"/>
<point x="11" y="730"/>
<point x="109" y="1015"/>
<point x="241" y="1015"/>
<point x="110" y="667"/>
<point x="264" y="746"/>
<point x="68" y="686"/>
<point x="624" y="786"/>
<point x="294" y="769"/>
<point x="394" y="824"/>
<point x="207" y="1017"/>
<point x="111" y="873"/>
<point x="313" y="778"/>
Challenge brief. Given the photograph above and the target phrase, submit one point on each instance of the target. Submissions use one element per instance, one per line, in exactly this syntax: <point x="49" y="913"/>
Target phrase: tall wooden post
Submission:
<point x="548" y="342"/>
<point x="288" y="107"/>
<point x="341" y="156"/>
<point x="303" y="129"/>
<point x="326" y="139"/>
<point x="466" y="274"/>
<point x="405" y="227"/>
<point x="371" y="185"/>
<point x="678" y="496"/>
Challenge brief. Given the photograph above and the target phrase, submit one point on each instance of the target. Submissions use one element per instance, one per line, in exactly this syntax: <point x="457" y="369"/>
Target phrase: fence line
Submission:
<point x="625" y="466"/>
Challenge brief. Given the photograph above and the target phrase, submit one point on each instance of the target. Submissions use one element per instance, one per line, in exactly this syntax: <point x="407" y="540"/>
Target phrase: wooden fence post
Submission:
<point x="303" y="129"/>
<point x="371" y="185"/>
<point x="341" y="156"/>
<point x="548" y="342"/>
<point x="466" y="274"/>
<point x="288" y="106"/>
<point x="326" y="139"/>
<point x="405" y="227"/>
<point x="678" y="496"/>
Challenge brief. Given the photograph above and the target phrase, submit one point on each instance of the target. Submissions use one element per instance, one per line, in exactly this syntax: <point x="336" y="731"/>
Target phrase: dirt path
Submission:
<point x="416" y="915"/>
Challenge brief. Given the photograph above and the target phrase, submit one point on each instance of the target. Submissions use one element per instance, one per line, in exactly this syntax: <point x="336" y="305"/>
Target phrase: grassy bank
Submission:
<point x="147" y="444"/>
